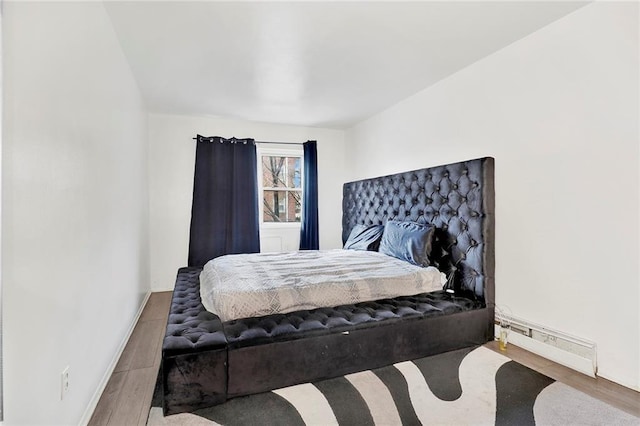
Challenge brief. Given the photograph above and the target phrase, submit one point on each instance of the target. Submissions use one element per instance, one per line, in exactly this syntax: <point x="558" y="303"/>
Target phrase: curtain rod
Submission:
<point x="262" y="142"/>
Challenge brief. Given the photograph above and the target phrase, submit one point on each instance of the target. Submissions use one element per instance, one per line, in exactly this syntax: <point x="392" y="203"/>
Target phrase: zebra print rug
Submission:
<point x="469" y="386"/>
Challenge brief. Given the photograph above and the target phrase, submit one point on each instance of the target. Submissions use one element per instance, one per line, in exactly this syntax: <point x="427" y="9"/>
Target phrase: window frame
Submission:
<point x="279" y="151"/>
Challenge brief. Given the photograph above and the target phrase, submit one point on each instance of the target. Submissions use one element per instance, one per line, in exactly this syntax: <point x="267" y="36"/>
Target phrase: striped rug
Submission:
<point x="474" y="386"/>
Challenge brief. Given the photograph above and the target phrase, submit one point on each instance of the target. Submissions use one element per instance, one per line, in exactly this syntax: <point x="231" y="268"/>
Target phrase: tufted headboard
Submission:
<point x="458" y="199"/>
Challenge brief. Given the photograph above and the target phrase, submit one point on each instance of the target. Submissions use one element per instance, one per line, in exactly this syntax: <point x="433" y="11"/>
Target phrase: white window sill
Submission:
<point x="271" y="225"/>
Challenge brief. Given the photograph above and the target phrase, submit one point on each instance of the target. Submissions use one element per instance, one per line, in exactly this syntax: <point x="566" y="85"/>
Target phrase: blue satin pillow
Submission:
<point x="364" y="237"/>
<point x="408" y="241"/>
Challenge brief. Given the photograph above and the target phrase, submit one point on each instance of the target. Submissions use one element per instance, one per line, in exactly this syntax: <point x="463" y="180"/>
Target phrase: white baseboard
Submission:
<point x="93" y="403"/>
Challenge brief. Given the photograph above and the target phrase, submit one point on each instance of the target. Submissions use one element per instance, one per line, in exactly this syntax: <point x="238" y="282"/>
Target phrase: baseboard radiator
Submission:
<point x="570" y="351"/>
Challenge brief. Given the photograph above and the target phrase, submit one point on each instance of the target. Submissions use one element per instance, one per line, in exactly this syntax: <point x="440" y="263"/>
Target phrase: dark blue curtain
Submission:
<point x="224" y="213"/>
<point x="309" y="227"/>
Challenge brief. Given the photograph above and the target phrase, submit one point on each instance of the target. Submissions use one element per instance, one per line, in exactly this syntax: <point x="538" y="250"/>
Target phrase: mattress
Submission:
<point x="254" y="285"/>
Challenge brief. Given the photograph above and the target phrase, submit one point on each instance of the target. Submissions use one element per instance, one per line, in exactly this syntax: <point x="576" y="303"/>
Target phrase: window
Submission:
<point x="281" y="186"/>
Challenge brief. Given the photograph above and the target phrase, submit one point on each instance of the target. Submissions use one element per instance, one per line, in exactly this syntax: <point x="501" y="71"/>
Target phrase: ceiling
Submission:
<point x="324" y="64"/>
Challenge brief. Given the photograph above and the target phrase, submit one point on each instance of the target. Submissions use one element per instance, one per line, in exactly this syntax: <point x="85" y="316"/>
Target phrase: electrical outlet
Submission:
<point x="64" y="382"/>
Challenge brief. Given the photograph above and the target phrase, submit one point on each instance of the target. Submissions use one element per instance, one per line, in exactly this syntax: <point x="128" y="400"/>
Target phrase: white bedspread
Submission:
<point x="250" y="285"/>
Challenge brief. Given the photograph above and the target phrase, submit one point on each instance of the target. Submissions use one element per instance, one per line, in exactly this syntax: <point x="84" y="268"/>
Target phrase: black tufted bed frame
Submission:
<point x="205" y="362"/>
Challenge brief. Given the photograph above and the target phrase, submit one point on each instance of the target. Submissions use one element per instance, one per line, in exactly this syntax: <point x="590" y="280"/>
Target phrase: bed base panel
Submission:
<point x="262" y="368"/>
<point x="193" y="381"/>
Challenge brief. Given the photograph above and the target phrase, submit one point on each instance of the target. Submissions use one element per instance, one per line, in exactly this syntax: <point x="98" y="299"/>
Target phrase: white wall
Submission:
<point x="559" y="112"/>
<point x="75" y="206"/>
<point x="171" y="162"/>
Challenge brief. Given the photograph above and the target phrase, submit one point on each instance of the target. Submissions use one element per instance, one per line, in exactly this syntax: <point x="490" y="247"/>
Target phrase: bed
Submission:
<point x="206" y="361"/>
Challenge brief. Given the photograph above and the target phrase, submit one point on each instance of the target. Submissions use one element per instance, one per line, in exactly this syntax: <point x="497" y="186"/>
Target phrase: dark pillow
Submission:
<point x="408" y="241"/>
<point x="364" y="237"/>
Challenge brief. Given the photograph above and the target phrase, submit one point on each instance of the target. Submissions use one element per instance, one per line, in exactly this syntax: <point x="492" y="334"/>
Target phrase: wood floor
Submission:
<point x="602" y="389"/>
<point x="127" y="397"/>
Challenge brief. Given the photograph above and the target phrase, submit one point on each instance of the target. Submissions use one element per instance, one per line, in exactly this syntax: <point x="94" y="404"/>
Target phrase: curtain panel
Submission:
<point x="224" y="211"/>
<point x="309" y="239"/>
